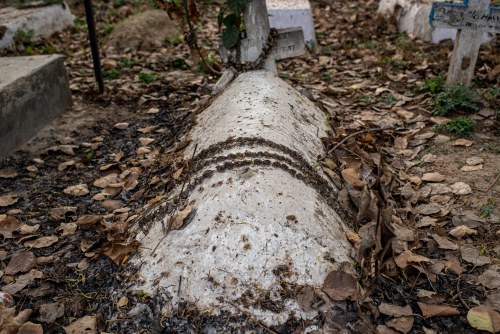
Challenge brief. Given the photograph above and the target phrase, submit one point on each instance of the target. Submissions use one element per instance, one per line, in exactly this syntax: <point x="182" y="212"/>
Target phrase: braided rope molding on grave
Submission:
<point x="248" y="141"/>
<point x="321" y="187"/>
<point x="304" y="171"/>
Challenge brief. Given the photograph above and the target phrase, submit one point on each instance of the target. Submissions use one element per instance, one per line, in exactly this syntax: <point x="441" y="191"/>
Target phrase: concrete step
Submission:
<point x="33" y="91"/>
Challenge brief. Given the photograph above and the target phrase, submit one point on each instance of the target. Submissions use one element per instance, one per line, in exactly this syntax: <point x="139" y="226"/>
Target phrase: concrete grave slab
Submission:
<point x="290" y="14"/>
<point x="258" y="206"/>
<point x="413" y="18"/>
<point x="33" y="91"/>
<point x="42" y="20"/>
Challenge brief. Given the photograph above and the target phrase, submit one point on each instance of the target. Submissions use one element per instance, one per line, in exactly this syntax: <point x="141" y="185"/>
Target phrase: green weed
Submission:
<point x="434" y="85"/>
<point x="111" y="74"/>
<point x="452" y="98"/>
<point x="460" y="125"/>
<point x="147" y="78"/>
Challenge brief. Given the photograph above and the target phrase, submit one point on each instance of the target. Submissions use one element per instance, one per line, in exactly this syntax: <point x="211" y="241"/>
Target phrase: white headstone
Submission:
<point x="42" y="20"/>
<point x="292" y="13"/>
<point x="472" y="19"/>
<point x="289" y="42"/>
<point x="412" y="17"/>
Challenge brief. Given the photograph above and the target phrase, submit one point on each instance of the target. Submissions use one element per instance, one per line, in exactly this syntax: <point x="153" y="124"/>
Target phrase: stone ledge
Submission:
<point x="33" y="91"/>
<point x="42" y="20"/>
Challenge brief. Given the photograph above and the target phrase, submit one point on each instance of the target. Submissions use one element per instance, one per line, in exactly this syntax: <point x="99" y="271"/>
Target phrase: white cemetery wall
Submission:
<point x="413" y="18"/>
<point x="259" y="206"/>
<point x="291" y="14"/>
<point x="42" y="20"/>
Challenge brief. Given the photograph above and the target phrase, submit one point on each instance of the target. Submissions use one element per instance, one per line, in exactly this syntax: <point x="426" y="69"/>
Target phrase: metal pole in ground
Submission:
<point x="94" y="44"/>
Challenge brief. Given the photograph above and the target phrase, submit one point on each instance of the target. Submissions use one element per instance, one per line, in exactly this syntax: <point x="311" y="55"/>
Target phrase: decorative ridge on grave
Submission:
<point x="318" y="183"/>
<point x="298" y="169"/>
<point x="246" y="141"/>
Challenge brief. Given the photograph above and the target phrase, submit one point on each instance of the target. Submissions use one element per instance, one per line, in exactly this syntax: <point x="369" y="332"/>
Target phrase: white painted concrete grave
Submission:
<point x="289" y="42"/>
<point x="42" y="20"/>
<point x="290" y="14"/>
<point x="413" y="18"/>
<point x="472" y="19"/>
<point x="260" y="212"/>
<point x="258" y="208"/>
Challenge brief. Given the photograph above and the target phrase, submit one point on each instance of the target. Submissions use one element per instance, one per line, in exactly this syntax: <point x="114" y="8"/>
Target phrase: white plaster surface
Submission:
<point x="42" y="20"/>
<point x="292" y="13"/>
<point x="239" y="231"/>
<point x="413" y="18"/>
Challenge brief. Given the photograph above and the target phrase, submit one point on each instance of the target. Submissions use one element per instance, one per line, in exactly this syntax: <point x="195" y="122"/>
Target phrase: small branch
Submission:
<point x="195" y="43"/>
<point x="352" y="135"/>
<point x="491" y="185"/>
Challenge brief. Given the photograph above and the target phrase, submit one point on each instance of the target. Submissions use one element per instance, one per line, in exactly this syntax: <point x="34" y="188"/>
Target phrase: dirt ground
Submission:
<point x="363" y="74"/>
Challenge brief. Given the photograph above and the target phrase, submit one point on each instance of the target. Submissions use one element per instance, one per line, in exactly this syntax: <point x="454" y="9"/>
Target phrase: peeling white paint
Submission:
<point x="240" y="231"/>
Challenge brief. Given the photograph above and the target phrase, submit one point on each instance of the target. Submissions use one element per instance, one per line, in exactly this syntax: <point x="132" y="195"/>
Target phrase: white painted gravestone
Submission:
<point x="289" y="42"/>
<point x="472" y="19"/>
<point x="260" y="213"/>
<point x="292" y="13"/>
<point x="412" y="17"/>
<point x="42" y="20"/>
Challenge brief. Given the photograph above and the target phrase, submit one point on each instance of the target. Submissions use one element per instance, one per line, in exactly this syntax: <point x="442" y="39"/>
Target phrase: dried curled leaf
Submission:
<point x="178" y="219"/>
<point x="364" y="205"/>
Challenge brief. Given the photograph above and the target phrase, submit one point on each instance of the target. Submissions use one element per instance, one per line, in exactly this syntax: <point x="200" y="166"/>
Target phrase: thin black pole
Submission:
<point x="93" y="44"/>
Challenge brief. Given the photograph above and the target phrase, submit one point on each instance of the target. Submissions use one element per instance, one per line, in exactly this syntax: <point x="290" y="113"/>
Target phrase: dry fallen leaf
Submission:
<point x="59" y="214"/>
<point x="430" y="296"/>
<point x="433" y="310"/>
<point x="7" y="200"/>
<point x="340" y="284"/>
<point x="490" y="278"/>
<point x="88" y="221"/>
<point x="85" y="325"/>
<point x="178" y="219"/>
<point x="8" y="225"/>
<point x="63" y="165"/>
<point x="471" y="168"/>
<point x="463" y="142"/>
<point x="117" y="251"/>
<point x="20" y="263"/>
<point x="472" y="161"/>
<point x="177" y="174"/>
<point x="146" y="141"/>
<point x="351" y="176"/>
<point x="444" y="243"/>
<point x="484" y="318"/>
<point x="433" y="177"/>
<point x="149" y="129"/>
<point x="8" y="173"/>
<point x="121" y="126"/>
<point x="471" y="255"/>
<point x="403" y="324"/>
<point x="42" y="242"/>
<point x="68" y="229"/>
<point x="453" y="266"/>
<point x="395" y="310"/>
<point x="461" y="188"/>
<point x="30" y="328"/>
<point x="11" y="323"/>
<point x="305" y="298"/>
<point x="122" y="302"/>
<point x="78" y="190"/>
<point x="460" y="231"/>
